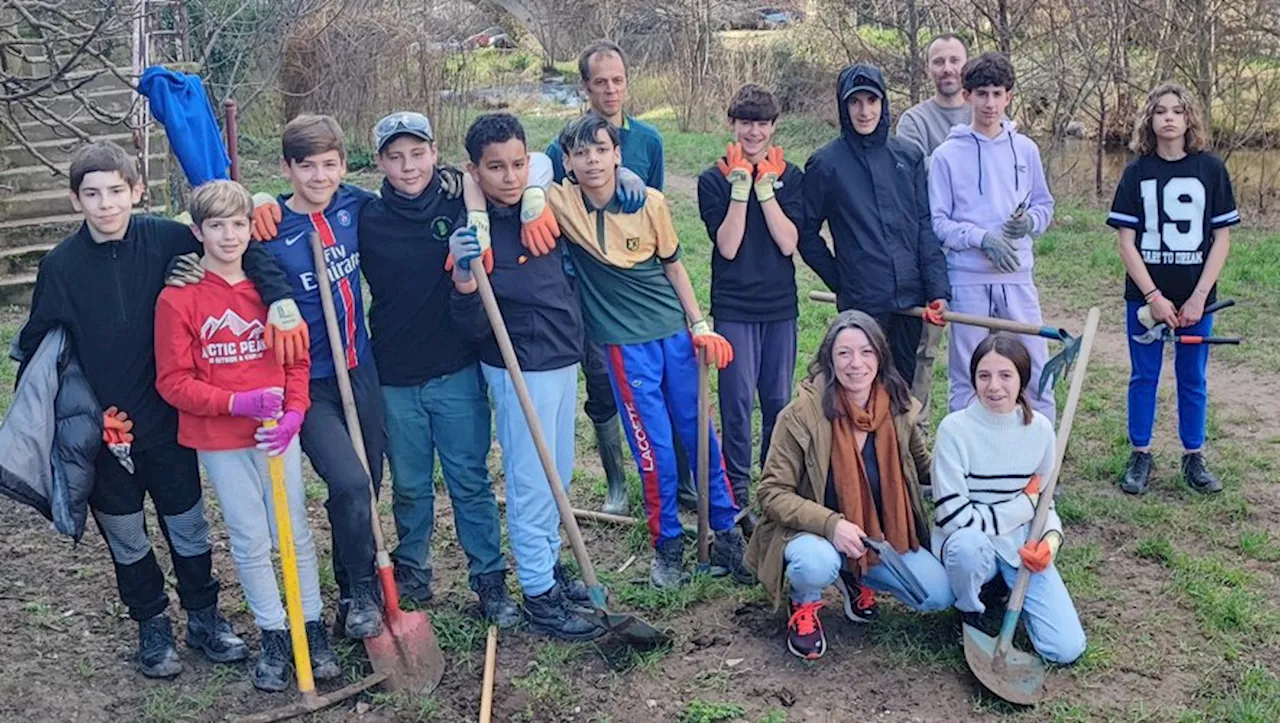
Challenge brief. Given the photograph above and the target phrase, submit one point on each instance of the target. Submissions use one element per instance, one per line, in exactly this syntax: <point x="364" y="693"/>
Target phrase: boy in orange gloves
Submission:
<point x="212" y="365"/>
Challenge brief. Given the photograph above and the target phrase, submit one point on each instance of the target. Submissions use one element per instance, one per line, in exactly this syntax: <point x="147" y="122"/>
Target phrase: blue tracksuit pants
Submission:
<point x="1190" y="362"/>
<point x="656" y="386"/>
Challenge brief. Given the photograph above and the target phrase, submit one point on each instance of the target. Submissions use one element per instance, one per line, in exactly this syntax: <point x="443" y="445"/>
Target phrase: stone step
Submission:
<point x="22" y="259"/>
<point x="113" y="101"/>
<point x="57" y="201"/>
<point x="17" y="289"/>
<point x="59" y="150"/>
<point x="40" y="178"/>
<point x="36" y="131"/>
<point x="16" y="233"/>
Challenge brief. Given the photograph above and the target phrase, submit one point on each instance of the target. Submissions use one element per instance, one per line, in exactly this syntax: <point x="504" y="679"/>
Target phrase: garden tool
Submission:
<point x="1013" y="675"/>
<point x="311" y="701"/>
<point x="704" y="465"/>
<point x="897" y="567"/>
<point x="406" y="652"/>
<point x="1057" y="367"/>
<point x="631" y="629"/>
<point x="1161" y="331"/>
<point x="490" y="672"/>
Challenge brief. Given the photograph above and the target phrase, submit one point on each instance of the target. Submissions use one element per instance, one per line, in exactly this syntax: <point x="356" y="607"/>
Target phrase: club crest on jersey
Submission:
<point x="344" y="218"/>
<point x="441" y="227"/>
<point x="633" y="244"/>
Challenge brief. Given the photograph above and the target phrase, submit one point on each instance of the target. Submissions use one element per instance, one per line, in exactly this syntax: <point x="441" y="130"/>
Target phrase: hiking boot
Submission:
<point x="859" y="600"/>
<point x="727" y="554"/>
<point x="1199" y="476"/>
<point x="994" y="595"/>
<point x="211" y="634"/>
<point x="359" y="616"/>
<point x="551" y="614"/>
<point x="413" y="585"/>
<point x="609" y="444"/>
<point x="324" y="662"/>
<point x="157" y="656"/>
<point x="667" y="568"/>
<point x="573" y="589"/>
<point x="494" y="600"/>
<point x="804" y="631"/>
<point x="272" y="671"/>
<point x="979" y="622"/>
<point x="1137" y="475"/>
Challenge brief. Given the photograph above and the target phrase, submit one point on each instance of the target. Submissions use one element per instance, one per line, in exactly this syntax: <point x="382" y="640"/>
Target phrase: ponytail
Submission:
<point x="1025" y="403"/>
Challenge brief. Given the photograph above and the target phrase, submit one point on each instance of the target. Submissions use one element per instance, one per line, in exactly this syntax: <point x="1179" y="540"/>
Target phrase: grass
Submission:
<point x="700" y="711"/>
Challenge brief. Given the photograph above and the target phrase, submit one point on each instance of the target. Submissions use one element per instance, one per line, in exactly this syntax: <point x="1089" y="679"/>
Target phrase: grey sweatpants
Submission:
<point x="242" y="483"/>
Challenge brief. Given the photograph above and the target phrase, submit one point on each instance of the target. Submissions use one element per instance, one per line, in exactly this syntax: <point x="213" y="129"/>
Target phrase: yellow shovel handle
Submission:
<point x="289" y="561"/>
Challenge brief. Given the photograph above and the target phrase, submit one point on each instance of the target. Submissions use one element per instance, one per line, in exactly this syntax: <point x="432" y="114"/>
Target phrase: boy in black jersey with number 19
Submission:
<point x="1174" y="209"/>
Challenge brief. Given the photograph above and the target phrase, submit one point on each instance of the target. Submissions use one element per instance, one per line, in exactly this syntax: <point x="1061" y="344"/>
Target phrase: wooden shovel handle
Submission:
<point x="955" y="317"/>
<point x="500" y="334"/>
<point x="704" y="460"/>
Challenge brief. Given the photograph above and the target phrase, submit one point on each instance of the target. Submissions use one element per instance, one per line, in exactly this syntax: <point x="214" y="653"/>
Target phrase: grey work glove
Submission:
<point x="1017" y="227"/>
<point x="184" y="270"/>
<point x="1001" y="252"/>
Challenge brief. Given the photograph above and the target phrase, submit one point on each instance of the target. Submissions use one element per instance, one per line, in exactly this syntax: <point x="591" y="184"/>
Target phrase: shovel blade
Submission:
<point x="632" y="630"/>
<point x="407" y="652"/>
<point x="1018" y="678"/>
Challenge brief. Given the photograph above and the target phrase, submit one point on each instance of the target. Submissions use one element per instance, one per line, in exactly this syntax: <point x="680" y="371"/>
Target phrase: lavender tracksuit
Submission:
<point x="975" y="183"/>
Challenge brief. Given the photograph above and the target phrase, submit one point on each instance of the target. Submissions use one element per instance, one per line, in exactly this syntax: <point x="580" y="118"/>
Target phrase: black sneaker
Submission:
<point x="748" y="522"/>
<point x="994" y="595"/>
<point x="271" y="674"/>
<point x="667" y="568"/>
<point x="324" y="662"/>
<point x="1199" y="476"/>
<point x="979" y="622"/>
<point x="494" y="600"/>
<point x="211" y="634"/>
<point x="727" y="554"/>
<point x="359" y="616"/>
<point x="157" y="656"/>
<point x="573" y="589"/>
<point x="859" y="600"/>
<point x="551" y="614"/>
<point x="1138" y="474"/>
<point x="805" y="638"/>
<point x="414" y="585"/>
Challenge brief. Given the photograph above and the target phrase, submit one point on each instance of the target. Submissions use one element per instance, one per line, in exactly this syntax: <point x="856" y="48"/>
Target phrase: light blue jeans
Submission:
<point x="449" y="416"/>
<point x="813" y="564"/>
<point x="1051" y="617"/>
<point x="533" y="520"/>
<point x="242" y="482"/>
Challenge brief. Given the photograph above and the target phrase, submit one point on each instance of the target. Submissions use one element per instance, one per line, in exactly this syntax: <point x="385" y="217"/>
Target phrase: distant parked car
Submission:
<point x="774" y="18"/>
<point x="492" y="37"/>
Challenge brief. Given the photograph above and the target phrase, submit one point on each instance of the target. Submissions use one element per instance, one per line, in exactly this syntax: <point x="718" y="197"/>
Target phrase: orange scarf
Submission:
<point x="894" y="523"/>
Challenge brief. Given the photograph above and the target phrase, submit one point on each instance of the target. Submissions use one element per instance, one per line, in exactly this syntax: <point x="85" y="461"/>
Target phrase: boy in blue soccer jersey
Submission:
<point x="1174" y="209"/>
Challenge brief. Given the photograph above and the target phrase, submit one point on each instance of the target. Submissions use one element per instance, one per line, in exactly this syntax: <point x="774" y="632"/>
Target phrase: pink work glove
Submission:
<point x="265" y="403"/>
<point x="275" y="440"/>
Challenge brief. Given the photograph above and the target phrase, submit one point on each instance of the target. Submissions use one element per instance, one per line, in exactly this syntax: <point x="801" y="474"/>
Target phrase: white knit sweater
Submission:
<point x="981" y="463"/>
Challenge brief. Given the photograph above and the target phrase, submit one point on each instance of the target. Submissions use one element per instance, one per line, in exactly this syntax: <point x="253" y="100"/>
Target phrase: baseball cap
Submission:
<point x="414" y="124"/>
<point x="868" y="87"/>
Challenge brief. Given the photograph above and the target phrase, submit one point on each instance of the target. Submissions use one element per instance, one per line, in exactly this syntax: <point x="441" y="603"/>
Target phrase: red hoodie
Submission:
<point x="208" y="345"/>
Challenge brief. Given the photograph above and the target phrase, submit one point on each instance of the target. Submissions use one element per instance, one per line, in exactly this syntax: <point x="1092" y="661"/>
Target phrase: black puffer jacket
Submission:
<point x="872" y="192"/>
<point x="51" y="435"/>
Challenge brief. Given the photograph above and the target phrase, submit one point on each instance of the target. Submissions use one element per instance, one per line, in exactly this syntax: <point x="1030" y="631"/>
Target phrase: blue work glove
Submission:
<point x="464" y="248"/>
<point x="631" y="191"/>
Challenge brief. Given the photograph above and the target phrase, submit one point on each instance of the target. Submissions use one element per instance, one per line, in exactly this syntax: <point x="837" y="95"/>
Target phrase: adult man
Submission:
<point x="603" y="68"/>
<point x="927" y="124"/>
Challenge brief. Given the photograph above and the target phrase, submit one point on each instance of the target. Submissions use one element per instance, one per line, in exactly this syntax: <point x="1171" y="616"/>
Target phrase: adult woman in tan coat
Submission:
<point x="846" y="463"/>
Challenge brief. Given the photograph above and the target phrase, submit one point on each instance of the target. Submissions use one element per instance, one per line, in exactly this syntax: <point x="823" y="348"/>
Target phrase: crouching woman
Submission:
<point x="846" y="463"/>
<point x="987" y="466"/>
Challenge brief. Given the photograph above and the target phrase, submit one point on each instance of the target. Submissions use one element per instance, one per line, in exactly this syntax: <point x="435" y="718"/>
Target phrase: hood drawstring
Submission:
<point x="978" y="143"/>
<point x="1012" y="149"/>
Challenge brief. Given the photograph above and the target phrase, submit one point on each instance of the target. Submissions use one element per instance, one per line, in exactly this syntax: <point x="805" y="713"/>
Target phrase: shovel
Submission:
<point x="704" y="466"/>
<point x="629" y="628"/>
<point x="1013" y="675"/>
<point x="310" y="702"/>
<point x="406" y="652"/>
<point x="1057" y="367"/>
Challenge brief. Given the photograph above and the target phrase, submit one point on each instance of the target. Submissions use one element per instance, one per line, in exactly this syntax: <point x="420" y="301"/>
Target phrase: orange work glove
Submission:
<point x="737" y="171"/>
<point x="768" y="172"/>
<point x="1038" y="556"/>
<point x="286" y="332"/>
<point x="538" y="227"/>
<point x="117" y="428"/>
<point x="1033" y="489"/>
<point x="933" y="312"/>
<point x="266" y="221"/>
<point x="718" y="350"/>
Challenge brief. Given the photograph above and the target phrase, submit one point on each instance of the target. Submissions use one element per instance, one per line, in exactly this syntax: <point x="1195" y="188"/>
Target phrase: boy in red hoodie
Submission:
<point x="212" y="365"/>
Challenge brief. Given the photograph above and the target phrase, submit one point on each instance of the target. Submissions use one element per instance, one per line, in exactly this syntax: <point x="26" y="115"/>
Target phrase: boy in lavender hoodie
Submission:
<point x="977" y="179"/>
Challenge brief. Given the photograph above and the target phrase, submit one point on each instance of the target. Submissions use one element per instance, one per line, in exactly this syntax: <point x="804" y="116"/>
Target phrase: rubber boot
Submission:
<point x="609" y="443"/>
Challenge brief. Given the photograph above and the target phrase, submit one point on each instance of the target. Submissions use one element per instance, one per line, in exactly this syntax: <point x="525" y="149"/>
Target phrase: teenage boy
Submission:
<point x="978" y="179"/>
<point x="101" y="285"/>
<point x="870" y="189"/>
<point x="752" y="206"/>
<point x="544" y="320"/>
<point x="638" y="302"/>
<point x="927" y="124"/>
<point x="1174" y="209"/>
<point x="213" y="366"/>
<point x="603" y="69"/>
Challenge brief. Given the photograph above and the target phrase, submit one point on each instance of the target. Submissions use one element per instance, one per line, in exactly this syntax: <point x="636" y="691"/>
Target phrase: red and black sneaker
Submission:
<point x="804" y="631"/>
<point x="859" y="600"/>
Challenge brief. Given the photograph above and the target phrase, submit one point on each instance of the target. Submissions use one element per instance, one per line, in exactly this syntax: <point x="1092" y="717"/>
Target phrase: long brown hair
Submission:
<point x="823" y="364"/>
<point x="1010" y="347"/>
<point x="1196" y="138"/>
